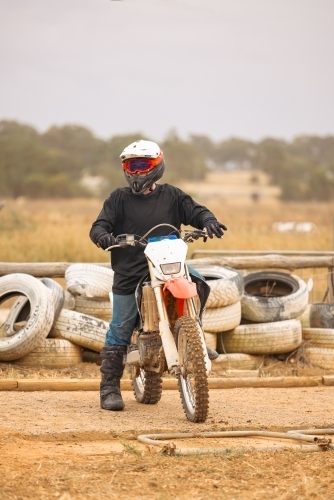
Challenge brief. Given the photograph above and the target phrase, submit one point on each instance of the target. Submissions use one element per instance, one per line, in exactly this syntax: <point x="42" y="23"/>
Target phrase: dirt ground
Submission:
<point x="61" y="445"/>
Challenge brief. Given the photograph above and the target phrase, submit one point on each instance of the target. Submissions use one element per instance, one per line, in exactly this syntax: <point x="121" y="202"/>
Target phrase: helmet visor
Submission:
<point x="141" y="165"/>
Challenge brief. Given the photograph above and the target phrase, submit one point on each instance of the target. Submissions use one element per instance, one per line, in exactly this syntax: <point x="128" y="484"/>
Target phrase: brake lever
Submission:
<point x="110" y="248"/>
<point x="141" y="243"/>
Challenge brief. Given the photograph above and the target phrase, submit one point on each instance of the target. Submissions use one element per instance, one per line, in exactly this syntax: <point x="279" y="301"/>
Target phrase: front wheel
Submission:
<point x="147" y="387"/>
<point x="193" y="382"/>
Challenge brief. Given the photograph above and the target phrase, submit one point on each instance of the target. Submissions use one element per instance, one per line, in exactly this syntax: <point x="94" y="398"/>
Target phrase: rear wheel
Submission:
<point x="193" y="383"/>
<point x="147" y="387"/>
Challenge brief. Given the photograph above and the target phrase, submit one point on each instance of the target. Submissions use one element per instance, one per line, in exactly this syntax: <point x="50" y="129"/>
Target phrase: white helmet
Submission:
<point x="141" y="149"/>
<point x="143" y="164"/>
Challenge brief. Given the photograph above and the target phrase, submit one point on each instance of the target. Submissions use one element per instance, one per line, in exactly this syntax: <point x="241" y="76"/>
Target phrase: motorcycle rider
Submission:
<point x="135" y="210"/>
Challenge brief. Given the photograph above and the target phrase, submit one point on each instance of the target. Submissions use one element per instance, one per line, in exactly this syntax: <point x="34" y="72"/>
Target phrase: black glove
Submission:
<point x="106" y="240"/>
<point x="213" y="227"/>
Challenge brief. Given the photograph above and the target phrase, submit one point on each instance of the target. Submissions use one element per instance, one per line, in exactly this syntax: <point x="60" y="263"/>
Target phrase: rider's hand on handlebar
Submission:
<point x="106" y="240"/>
<point x="214" y="228"/>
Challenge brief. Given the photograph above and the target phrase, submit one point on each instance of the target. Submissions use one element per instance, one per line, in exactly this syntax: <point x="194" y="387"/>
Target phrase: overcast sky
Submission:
<point x="222" y="68"/>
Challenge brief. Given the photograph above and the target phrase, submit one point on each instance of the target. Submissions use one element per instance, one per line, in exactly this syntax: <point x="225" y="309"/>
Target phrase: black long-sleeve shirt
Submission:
<point x="125" y="212"/>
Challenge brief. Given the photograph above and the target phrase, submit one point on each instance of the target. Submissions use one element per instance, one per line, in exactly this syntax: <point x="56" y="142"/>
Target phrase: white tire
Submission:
<point x="99" y="308"/>
<point x="20" y="310"/>
<point x="319" y="356"/>
<point x="226" y="285"/>
<point x="321" y="337"/>
<point x="52" y="353"/>
<point x="57" y="295"/>
<point x="69" y="301"/>
<point x="237" y="361"/>
<point x="273" y="296"/>
<point x="16" y="344"/>
<point x="88" y="280"/>
<point x="210" y="340"/>
<point x="18" y="316"/>
<point x="81" y="329"/>
<point x="222" y="319"/>
<point x="263" y="338"/>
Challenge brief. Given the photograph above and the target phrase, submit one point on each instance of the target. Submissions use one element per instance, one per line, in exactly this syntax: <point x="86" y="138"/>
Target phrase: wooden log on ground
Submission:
<point x="328" y="379"/>
<point x="263" y="382"/>
<point x="8" y="385"/>
<point x="58" y="384"/>
<point x="168" y="384"/>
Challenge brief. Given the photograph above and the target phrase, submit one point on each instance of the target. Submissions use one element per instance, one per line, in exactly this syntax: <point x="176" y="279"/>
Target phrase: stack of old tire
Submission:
<point x="223" y="314"/>
<point x="271" y="307"/>
<point x="246" y="317"/>
<point x="52" y="328"/>
<point x="318" y="346"/>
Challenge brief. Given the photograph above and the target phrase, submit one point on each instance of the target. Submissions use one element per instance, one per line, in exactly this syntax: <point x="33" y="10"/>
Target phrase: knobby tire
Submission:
<point x="193" y="383"/>
<point x="147" y="387"/>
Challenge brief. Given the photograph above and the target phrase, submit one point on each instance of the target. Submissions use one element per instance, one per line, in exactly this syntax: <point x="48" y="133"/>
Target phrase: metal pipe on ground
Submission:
<point x="169" y="448"/>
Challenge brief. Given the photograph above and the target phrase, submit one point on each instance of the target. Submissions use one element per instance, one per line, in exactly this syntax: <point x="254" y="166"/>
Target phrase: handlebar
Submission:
<point x="129" y="240"/>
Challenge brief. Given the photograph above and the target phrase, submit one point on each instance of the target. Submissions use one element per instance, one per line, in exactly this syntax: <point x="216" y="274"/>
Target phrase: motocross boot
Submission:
<point x="112" y="370"/>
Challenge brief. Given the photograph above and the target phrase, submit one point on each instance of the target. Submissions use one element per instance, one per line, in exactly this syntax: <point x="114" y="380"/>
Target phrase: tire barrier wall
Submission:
<point x="247" y="317"/>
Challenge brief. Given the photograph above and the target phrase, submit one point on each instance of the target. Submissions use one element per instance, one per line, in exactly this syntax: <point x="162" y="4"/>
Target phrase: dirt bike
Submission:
<point x="168" y="336"/>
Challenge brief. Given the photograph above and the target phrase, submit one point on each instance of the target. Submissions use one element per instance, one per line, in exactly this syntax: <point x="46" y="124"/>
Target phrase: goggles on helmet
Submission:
<point x="141" y="165"/>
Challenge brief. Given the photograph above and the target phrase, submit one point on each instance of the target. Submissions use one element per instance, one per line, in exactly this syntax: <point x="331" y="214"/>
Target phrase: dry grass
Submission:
<point x="49" y="231"/>
<point x="293" y="365"/>
<point x="80" y="371"/>
<point x="283" y="475"/>
<point x="36" y="234"/>
<point x="58" y="230"/>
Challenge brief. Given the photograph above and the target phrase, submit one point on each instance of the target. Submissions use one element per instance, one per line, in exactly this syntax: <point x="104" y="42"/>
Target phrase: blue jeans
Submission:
<point x="124" y="318"/>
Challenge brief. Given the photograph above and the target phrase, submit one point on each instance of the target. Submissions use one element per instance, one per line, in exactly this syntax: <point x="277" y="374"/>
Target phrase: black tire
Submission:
<point x="322" y="315"/>
<point x="273" y="296"/>
<point x="147" y="387"/>
<point x="193" y="382"/>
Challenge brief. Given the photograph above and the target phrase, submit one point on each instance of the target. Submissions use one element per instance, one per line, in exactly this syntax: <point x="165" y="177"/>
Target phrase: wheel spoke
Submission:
<point x="190" y="392"/>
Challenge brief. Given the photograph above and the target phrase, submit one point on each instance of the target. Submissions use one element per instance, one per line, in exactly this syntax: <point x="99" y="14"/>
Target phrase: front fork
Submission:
<point x="167" y="339"/>
<point x="193" y="313"/>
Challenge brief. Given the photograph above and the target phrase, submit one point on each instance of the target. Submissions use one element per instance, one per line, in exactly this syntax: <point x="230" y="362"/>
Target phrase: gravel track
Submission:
<point x="56" y="413"/>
